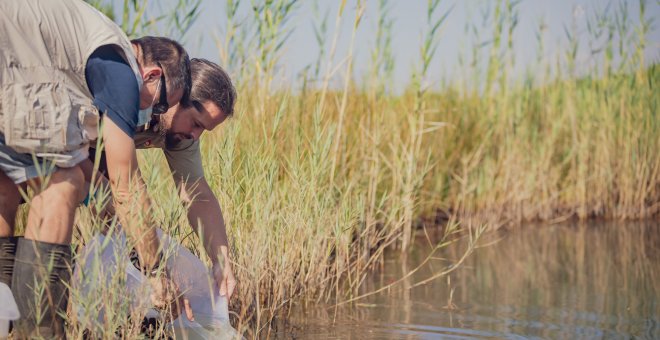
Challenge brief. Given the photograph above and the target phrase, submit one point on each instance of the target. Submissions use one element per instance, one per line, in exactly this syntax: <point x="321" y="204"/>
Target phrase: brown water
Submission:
<point x="551" y="282"/>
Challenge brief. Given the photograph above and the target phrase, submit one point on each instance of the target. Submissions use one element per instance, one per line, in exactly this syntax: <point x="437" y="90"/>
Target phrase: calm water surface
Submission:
<point x="551" y="282"/>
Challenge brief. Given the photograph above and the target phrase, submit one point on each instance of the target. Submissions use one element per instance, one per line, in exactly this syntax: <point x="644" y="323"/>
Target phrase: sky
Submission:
<point x="409" y="17"/>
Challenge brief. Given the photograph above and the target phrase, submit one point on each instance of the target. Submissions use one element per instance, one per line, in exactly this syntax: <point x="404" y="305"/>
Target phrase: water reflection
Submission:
<point x="596" y="281"/>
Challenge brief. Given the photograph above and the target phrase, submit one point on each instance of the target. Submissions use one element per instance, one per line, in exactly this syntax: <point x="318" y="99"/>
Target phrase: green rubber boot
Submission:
<point x="42" y="272"/>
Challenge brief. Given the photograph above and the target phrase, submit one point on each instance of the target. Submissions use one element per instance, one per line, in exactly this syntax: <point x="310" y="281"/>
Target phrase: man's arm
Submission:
<point x="129" y="192"/>
<point x="205" y="216"/>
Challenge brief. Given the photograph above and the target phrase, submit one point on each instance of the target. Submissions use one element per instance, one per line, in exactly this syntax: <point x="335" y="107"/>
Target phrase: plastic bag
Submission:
<point x="105" y="259"/>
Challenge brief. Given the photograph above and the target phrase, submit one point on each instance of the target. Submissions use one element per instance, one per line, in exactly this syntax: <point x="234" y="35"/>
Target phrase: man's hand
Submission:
<point x="224" y="278"/>
<point x="167" y="299"/>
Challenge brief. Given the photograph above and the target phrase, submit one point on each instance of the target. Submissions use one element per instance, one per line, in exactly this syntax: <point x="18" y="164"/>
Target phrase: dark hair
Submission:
<point x="171" y="56"/>
<point x="211" y="82"/>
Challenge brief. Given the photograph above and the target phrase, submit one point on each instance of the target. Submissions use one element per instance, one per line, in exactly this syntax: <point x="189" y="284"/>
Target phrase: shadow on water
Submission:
<point x="600" y="280"/>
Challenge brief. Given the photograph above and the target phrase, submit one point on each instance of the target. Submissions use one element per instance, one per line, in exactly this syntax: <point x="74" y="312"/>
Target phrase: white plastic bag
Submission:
<point x="186" y="270"/>
<point x="8" y="309"/>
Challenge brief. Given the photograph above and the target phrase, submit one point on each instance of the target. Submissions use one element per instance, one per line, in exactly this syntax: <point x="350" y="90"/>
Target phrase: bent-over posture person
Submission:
<point x="211" y="101"/>
<point x="65" y="67"/>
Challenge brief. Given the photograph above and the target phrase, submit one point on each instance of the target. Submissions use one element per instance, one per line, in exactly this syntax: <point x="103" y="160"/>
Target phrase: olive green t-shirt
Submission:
<point x="184" y="159"/>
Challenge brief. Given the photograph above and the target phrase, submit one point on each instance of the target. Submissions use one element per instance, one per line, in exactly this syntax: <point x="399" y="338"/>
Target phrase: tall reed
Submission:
<point x="315" y="184"/>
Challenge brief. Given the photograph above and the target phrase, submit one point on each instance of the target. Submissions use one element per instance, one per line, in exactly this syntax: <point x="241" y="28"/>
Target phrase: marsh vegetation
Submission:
<point x="320" y="177"/>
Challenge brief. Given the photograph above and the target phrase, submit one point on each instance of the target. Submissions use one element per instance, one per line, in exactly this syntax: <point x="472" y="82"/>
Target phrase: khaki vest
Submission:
<point x="45" y="106"/>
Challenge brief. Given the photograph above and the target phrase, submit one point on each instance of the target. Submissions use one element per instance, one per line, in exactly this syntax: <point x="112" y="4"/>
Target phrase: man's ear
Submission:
<point x="152" y="73"/>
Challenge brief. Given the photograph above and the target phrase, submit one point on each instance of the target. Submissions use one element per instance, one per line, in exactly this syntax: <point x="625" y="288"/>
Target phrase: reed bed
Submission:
<point x="317" y="179"/>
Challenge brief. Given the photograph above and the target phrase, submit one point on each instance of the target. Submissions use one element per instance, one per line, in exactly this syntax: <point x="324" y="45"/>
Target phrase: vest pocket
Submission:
<point x="43" y="118"/>
<point x="88" y="118"/>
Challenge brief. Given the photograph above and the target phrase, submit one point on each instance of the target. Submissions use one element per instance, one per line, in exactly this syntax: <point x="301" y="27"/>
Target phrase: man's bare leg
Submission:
<point x="43" y="258"/>
<point x="52" y="209"/>
<point x="10" y="198"/>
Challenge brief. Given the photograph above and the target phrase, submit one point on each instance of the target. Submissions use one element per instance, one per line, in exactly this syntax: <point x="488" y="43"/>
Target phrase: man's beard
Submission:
<point x="173" y="139"/>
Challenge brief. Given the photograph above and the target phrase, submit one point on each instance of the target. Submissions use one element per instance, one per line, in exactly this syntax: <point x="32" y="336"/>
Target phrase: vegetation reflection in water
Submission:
<point x="563" y="281"/>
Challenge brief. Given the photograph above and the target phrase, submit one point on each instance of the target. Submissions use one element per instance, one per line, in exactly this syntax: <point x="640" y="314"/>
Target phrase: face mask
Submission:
<point x="144" y="115"/>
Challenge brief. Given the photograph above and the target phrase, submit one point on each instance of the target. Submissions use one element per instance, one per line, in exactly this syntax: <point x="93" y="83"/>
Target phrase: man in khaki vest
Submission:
<point x="64" y="67"/>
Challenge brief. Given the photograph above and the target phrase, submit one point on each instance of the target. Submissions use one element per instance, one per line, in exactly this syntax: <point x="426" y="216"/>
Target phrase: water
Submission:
<point x="557" y="282"/>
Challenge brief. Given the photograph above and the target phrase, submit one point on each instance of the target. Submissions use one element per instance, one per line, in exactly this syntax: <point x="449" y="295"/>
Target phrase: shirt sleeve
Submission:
<point x="114" y="87"/>
<point x="185" y="161"/>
